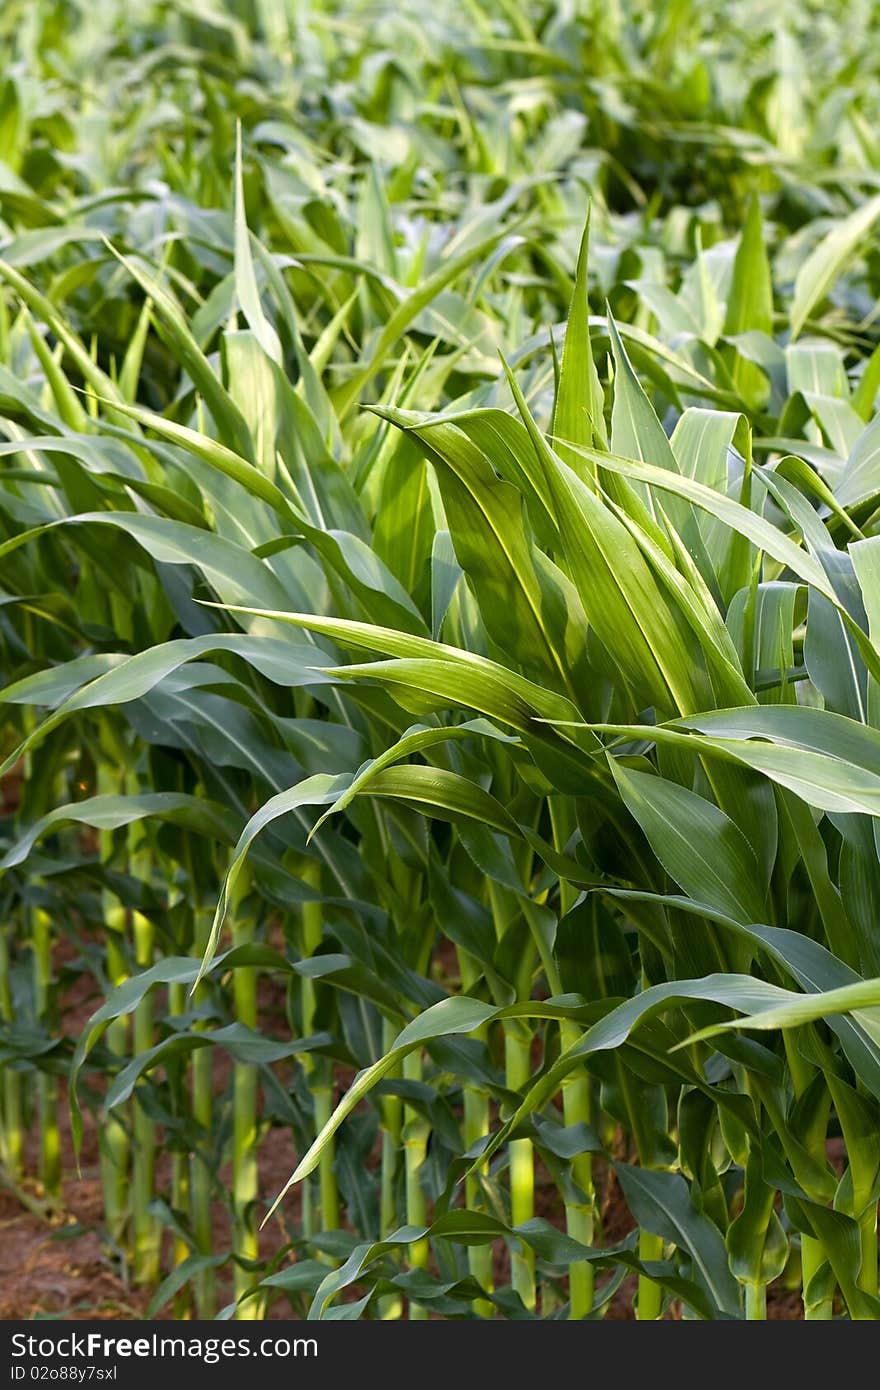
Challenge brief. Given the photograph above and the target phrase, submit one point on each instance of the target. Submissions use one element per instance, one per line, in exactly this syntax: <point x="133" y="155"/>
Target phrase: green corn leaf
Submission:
<point x="862" y="1000"/>
<point x="172" y="323"/>
<point x="757" y="1245"/>
<point x="750" y="302"/>
<point x="822" y="267"/>
<point x="579" y="408"/>
<point x="112" y="812"/>
<point x="662" y="1203"/>
<point x="697" y="844"/>
<point x="245" y="276"/>
<point x="134" y="676"/>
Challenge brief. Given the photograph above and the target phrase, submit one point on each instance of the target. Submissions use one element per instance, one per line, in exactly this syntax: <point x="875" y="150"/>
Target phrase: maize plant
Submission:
<point x="440" y="633"/>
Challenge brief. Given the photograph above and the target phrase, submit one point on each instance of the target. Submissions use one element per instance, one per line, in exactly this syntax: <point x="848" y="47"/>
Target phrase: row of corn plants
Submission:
<point x="440" y="654"/>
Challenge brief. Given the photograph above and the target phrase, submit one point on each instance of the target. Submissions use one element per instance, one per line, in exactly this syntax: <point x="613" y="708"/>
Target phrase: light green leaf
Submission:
<point x="827" y="261"/>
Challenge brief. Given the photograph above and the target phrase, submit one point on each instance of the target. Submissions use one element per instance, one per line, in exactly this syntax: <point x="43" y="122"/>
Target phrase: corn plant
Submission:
<point x="459" y="623"/>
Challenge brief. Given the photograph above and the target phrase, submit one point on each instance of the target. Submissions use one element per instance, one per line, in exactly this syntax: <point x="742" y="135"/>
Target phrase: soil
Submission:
<point x="57" y="1265"/>
<point x="55" y="1262"/>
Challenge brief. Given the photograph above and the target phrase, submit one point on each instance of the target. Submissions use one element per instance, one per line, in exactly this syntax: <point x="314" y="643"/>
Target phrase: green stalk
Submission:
<point x="868" y="1276"/>
<point x="12" y="1116"/>
<point x="308" y="1209"/>
<point x="326" y="1173"/>
<point x="392" y="1125"/>
<point x="416" y="946"/>
<point x="756" y="1302"/>
<point x="47" y="1086"/>
<point x="319" y="1070"/>
<point x="112" y="1136"/>
<point x="202" y="1083"/>
<point x="145" y="1228"/>
<point x="244" y="1128"/>
<point x="517" y="1065"/>
<point x="577" y="1109"/>
<point x="476" y="1126"/>
<point x="579" y="1212"/>
<point x="179" y="1166"/>
<point x="649" y="1298"/>
<point x="812" y="1249"/>
<point x="146" y="1231"/>
<point x="649" y="1304"/>
<point x="391" y="1306"/>
<point x="40" y="925"/>
<point x="517" y="1068"/>
<point x="415" y="1147"/>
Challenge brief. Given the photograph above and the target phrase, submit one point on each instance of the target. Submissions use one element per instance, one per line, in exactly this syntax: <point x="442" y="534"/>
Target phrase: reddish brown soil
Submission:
<point x="61" y="1267"/>
<point x="54" y="1261"/>
<point x="52" y="1256"/>
<point x="58" y="1265"/>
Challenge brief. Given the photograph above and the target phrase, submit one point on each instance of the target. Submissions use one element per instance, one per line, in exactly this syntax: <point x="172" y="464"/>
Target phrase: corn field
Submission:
<point x="440" y="653"/>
